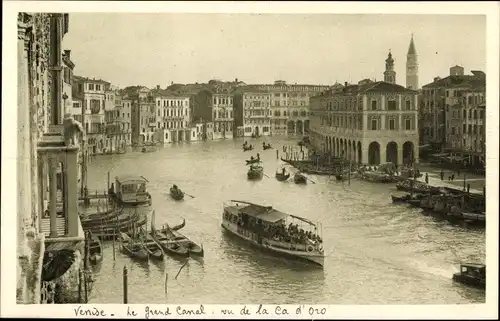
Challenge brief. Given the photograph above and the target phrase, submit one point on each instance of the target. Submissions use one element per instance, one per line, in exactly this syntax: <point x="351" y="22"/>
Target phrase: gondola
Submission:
<point x="247" y="148"/>
<point x="180" y="226"/>
<point x="154" y="250"/>
<point x="133" y="250"/>
<point x="400" y="199"/>
<point x="299" y="179"/>
<point x="339" y="177"/>
<point x="266" y="147"/>
<point x="414" y="202"/>
<point x="176" y="193"/>
<point x="95" y="249"/>
<point x="282" y="177"/>
<point x="170" y="247"/>
<point x="193" y="248"/>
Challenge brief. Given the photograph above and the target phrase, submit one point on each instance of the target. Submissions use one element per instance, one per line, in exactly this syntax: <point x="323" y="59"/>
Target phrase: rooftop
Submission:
<point x="366" y="86"/>
<point x="130" y="178"/>
<point x="471" y="81"/>
<point x="86" y="79"/>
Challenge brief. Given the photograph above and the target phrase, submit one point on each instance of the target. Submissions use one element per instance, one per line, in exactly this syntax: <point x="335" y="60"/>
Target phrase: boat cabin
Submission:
<point x="132" y="189"/>
<point x="477" y="271"/>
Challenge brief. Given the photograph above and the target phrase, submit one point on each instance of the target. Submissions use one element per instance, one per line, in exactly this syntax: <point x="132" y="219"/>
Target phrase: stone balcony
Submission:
<point x="57" y="188"/>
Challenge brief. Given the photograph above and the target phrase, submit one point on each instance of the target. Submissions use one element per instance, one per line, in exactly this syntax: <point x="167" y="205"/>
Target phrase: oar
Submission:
<point x="266" y="175"/>
<point x="309" y="179"/>
<point x="189" y="195"/>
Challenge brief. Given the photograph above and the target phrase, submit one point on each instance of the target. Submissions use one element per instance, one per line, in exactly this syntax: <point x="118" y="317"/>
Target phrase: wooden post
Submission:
<point x="85" y="265"/>
<point x="277" y="154"/>
<point x="108" y="182"/>
<point x="464" y="181"/>
<point x="80" y="297"/>
<point x="484" y="190"/>
<point x="349" y="173"/>
<point x="468" y="188"/>
<point x="114" y="251"/>
<point x="166" y="282"/>
<point x="125" y="285"/>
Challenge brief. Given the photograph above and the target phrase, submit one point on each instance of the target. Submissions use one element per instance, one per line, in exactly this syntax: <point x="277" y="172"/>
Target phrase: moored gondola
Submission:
<point x="282" y="176"/>
<point x="255" y="172"/>
<point x="95" y="249"/>
<point x="133" y="249"/>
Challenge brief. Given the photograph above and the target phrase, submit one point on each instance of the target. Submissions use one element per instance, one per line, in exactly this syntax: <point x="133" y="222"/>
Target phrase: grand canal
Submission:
<point x="376" y="252"/>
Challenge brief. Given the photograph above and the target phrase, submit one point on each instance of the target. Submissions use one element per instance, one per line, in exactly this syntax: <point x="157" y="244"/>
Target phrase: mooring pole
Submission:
<point x="125" y="285"/>
<point x="80" y="287"/>
<point x="277" y="154"/>
<point x="114" y="251"/>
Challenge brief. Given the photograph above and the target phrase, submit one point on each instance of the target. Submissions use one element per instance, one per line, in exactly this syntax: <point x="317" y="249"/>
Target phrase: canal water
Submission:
<point x="376" y="252"/>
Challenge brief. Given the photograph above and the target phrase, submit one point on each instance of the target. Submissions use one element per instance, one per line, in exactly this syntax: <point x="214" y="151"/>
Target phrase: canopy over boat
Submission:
<point x="267" y="213"/>
<point x="130" y="179"/>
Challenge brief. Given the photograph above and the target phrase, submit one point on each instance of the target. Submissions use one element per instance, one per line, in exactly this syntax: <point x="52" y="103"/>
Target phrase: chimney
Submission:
<point x="67" y="53"/>
<point x="345" y="84"/>
<point x="158" y="87"/>
<point x="437" y="78"/>
<point x="236" y="80"/>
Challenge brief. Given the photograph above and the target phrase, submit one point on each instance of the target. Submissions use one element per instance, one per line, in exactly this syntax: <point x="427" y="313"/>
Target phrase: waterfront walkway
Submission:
<point x="477" y="182"/>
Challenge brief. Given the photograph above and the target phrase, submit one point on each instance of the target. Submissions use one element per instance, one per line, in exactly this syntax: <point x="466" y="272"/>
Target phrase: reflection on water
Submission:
<point x="377" y="252"/>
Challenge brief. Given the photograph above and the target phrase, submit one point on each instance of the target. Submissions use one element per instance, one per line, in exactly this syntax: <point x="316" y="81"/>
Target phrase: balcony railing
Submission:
<point x="58" y="173"/>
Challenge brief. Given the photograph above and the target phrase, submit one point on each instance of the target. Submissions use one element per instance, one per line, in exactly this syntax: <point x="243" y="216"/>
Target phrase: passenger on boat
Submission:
<point x="251" y="158"/>
<point x="258" y="156"/>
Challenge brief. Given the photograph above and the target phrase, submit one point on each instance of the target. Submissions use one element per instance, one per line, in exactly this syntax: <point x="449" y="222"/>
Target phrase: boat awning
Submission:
<point x="130" y="179"/>
<point x="474" y="265"/>
<point x="267" y="214"/>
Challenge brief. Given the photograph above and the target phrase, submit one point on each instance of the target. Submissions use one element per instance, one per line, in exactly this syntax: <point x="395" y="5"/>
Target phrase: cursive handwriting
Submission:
<point x="180" y="311"/>
<point x="89" y="312"/>
<point x="148" y="312"/>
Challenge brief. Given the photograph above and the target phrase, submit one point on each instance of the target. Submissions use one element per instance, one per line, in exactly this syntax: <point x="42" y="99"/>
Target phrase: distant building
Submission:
<point x="91" y="92"/>
<point x="252" y="111"/>
<point x="123" y="107"/>
<point x="173" y="118"/>
<point x="367" y="123"/>
<point x="290" y="106"/>
<point x="447" y="109"/>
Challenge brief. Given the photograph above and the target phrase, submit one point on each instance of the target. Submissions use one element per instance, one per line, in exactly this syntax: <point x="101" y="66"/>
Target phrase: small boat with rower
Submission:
<point x="255" y="172"/>
<point x="406" y="198"/>
<point x="253" y="160"/>
<point x="299" y="178"/>
<point x="282" y="176"/>
<point x="176" y="193"/>
<point x="471" y="274"/>
<point x="247" y="148"/>
<point x="266" y="146"/>
<point x="133" y="249"/>
<point x="265" y="228"/>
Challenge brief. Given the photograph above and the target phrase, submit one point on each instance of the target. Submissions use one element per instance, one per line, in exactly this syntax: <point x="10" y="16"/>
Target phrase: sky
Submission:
<point x="160" y="48"/>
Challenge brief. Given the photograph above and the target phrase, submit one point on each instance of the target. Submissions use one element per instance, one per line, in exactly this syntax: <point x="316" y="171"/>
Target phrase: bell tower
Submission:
<point x="411" y="67"/>
<point x="389" y="73"/>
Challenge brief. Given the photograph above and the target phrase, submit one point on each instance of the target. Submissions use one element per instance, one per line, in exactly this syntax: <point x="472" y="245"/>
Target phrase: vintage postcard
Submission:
<point x="250" y="160"/>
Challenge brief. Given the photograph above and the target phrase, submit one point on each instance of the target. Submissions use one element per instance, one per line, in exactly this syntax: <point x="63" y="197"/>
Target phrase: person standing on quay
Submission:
<point x="442" y="174"/>
<point x="427" y="178"/>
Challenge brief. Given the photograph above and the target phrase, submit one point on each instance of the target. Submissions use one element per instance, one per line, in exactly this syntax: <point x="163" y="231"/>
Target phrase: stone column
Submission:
<point x="53" y="196"/>
<point x="41" y="186"/>
<point x="56" y="68"/>
<point x="400" y="155"/>
<point x="383" y="153"/>
<point x="70" y="196"/>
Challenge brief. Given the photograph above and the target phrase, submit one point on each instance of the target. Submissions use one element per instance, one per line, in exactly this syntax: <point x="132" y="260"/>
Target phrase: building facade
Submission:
<point x="447" y="109"/>
<point x="368" y="123"/>
<point x="252" y="111"/>
<point x="48" y="219"/>
<point x="143" y="116"/>
<point x="222" y="114"/>
<point x="123" y="107"/>
<point x="290" y="106"/>
<point x="173" y="118"/>
<point x="91" y="92"/>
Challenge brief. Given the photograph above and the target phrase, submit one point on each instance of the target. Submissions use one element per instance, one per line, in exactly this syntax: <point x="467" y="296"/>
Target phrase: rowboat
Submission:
<point x="169" y="246"/>
<point x="95" y="249"/>
<point x="247" y="148"/>
<point x="255" y="172"/>
<point x="267" y="229"/>
<point x="252" y="161"/>
<point x="282" y="177"/>
<point x="133" y="249"/>
<point x="265" y="147"/>
<point x="298" y="178"/>
<point x="176" y="193"/>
